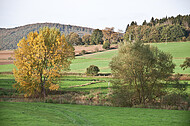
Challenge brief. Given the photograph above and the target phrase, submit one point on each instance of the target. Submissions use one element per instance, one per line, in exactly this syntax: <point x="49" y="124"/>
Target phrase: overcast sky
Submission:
<point x="88" y="13"/>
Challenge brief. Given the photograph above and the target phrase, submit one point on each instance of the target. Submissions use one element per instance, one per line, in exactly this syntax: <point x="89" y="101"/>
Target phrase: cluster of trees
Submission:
<point x="160" y="30"/>
<point x="97" y="37"/>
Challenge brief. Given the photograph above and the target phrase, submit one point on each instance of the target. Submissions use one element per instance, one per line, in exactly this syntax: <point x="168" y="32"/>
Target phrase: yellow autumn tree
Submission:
<point x="39" y="59"/>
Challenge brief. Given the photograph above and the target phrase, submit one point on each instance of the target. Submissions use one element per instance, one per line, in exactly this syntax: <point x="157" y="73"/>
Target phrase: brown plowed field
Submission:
<point x="4" y="55"/>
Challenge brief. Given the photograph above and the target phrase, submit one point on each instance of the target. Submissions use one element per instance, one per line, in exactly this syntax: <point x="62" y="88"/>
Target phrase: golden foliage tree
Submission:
<point x="107" y="32"/>
<point x="39" y="60"/>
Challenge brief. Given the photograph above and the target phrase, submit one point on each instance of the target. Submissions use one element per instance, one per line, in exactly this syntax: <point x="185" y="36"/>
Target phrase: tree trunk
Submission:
<point x="44" y="90"/>
<point x="41" y="81"/>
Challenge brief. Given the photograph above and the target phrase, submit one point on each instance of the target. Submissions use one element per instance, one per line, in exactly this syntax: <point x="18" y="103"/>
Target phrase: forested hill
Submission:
<point x="160" y="30"/>
<point x="10" y="37"/>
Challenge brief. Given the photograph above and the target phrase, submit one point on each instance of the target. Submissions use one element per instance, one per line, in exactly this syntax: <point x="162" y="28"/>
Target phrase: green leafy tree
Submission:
<point x="130" y="33"/>
<point x="186" y="63"/>
<point x="74" y="39"/>
<point x="154" y="35"/>
<point x="106" y="44"/>
<point x="96" y="37"/>
<point x="139" y="71"/>
<point x="144" y="22"/>
<point x="152" y="21"/>
<point x="86" y="39"/>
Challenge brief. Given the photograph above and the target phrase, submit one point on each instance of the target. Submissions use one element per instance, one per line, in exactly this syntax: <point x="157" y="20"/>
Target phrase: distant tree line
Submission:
<point x="106" y="36"/>
<point x="160" y="30"/>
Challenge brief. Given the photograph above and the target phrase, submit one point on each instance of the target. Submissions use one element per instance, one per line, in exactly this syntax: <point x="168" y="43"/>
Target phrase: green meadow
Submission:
<point x="46" y="114"/>
<point x="179" y="51"/>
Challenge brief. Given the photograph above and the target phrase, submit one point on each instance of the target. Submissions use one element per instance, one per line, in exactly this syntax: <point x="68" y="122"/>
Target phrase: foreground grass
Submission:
<point x="46" y="114"/>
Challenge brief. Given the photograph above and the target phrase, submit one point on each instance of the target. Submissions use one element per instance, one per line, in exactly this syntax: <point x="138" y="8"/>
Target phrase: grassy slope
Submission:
<point x="33" y="114"/>
<point x="179" y="51"/>
<point x="100" y="59"/>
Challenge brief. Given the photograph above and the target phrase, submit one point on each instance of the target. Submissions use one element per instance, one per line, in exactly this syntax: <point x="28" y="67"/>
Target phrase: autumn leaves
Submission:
<point x="39" y="60"/>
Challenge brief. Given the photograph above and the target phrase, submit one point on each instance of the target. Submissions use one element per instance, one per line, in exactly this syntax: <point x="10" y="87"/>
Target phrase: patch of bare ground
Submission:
<point x="7" y="56"/>
<point x="4" y="55"/>
<point x="91" y="48"/>
<point x="4" y="62"/>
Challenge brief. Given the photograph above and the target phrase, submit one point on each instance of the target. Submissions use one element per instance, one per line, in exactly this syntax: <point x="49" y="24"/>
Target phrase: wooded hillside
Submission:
<point x="10" y="37"/>
<point x="160" y="30"/>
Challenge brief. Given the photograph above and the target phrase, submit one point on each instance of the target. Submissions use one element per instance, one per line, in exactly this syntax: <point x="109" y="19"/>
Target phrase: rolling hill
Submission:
<point x="9" y="37"/>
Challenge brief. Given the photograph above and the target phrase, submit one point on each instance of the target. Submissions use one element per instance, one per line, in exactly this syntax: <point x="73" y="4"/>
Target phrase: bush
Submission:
<point x="92" y="70"/>
<point x="10" y="58"/>
<point x="106" y="45"/>
<point x="174" y="98"/>
<point x="188" y="38"/>
<point x="83" y="52"/>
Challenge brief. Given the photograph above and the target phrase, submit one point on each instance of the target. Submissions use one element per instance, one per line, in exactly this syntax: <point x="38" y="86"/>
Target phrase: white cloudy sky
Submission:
<point x="88" y="13"/>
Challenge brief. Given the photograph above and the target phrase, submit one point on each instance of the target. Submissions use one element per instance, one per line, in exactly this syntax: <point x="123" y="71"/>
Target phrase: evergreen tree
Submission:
<point x="144" y="22"/>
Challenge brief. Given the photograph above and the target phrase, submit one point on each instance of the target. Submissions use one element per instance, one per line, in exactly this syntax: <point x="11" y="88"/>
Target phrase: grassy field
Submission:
<point x="100" y="59"/>
<point x="6" y="68"/>
<point x="45" y="114"/>
<point x="65" y="82"/>
<point x="21" y="113"/>
<point x="179" y="51"/>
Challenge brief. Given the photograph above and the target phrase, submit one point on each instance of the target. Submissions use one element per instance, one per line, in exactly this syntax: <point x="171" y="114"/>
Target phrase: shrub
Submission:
<point x="174" y="98"/>
<point x="188" y="38"/>
<point x="92" y="70"/>
<point x="83" y="52"/>
<point x="106" y="45"/>
<point x="10" y="58"/>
